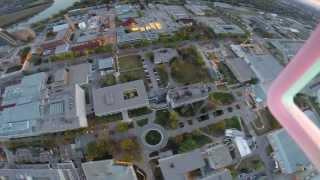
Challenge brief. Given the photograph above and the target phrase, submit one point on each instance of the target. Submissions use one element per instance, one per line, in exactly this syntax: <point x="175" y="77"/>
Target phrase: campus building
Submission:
<point x="220" y="27"/>
<point x="77" y="74"/>
<point x="108" y="169"/>
<point x="208" y="165"/>
<point x="30" y="108"/>
<point x="119" y="98"/>
<point x="287" y="48"/>
<point x="62" y="171"/>
<point x="184" y="95"/>
<point x="287" y="153"/>
<point x="59" y="35"/>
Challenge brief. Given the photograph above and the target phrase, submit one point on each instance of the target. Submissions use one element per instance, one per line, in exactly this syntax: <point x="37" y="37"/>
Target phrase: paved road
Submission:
<point x="153" y="77"/>
<point x="261" y="150"/>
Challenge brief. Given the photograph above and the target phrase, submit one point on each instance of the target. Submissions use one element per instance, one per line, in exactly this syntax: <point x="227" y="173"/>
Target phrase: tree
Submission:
<point x="162" y="117"/>
<point x="108" y="80"/>
<point x="24" y="52"/>
<point x="233" y="122"/>
<point x="127" y="157"/>
<point x="221" y="98"/>
<point x="173" y="118"/>
<point x="188" y="145"/>
<point x="122" y="127"/>
<point x="97" y="150"/>
<point x="150" y="56"/>
<point x="103" y="49"/>
<point x="217" y="128"/>
<point x="128" y="144"/>
<point x="254" y="81"/>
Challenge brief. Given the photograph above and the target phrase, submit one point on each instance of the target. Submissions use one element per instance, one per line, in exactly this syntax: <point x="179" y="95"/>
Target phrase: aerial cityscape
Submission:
<point x="153" y="89"/>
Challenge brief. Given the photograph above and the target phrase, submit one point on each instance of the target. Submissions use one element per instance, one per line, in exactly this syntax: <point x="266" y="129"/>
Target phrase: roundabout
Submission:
<point x="153" y="137"/>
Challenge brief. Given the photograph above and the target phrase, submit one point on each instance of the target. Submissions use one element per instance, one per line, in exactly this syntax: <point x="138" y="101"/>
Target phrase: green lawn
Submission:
<point x="221" y="98"/>
<point x="162" y="117"/>
<point x="131" y="68"/>
<point x="167" y="119"/>
<point x="142" y="122"/>
<point x="139" y="112"/>
<point x="265" y="120"/>
<point x="251" y="164"/>
<point x="132" y="75"/>
<point x="266" y="114"/>
<point x="190" y="141"/>
<point x="105" y="119"/>
<point x="215" y="129"/>
<point x="127" y="63"/>
<point x="108" y="80"/>
<point x="219" y="128"/>
<point x="189" y="109"/>
<point x="189" y="67"/>
<point x="227" y="74"/>
<point x="185" y="72"/>
<point x="233" y="123"/>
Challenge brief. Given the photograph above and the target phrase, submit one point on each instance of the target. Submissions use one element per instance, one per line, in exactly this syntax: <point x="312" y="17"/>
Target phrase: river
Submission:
<point x="56" y="7"/>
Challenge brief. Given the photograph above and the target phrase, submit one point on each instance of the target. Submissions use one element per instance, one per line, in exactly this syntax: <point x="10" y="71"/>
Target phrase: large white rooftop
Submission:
<point x="218" y="156"/>
<point x="27" y="91"/>
<point x="240" y="69"/>
<point x="176" y="167"/>
<point x="119" y="97"/>
<point x="63" y="171"/>
<point x="108" y="170"/>
<point x="30" y="108"/>
<point x="289" y="155"/>
<point x="266" y="68"/>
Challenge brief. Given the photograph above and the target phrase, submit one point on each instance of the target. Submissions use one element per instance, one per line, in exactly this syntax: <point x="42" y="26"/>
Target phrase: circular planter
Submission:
<point x="153" y="137"/>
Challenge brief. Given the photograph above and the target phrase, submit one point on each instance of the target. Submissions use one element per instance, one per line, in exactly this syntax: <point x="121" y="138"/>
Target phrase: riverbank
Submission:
<point x="9" y="19"/>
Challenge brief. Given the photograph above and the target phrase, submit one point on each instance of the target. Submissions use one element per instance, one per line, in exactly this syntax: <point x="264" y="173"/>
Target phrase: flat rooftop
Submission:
<point x="59" y="35"/>
<point x="62" y="172"/>
<point x="287" y="152"/>
<point x="287" y="47"/>
<point x="30" y="108"/>
<point x="123" y="37"/>
<point x="78" y="74"/>
<point x="126" y="11"/>
<point x="177" y="166"/>
<point x="187" y="94"/>
<point x="108" y="170"/>
<point x="218" y="156"/>
<point x="177" y="12"/>
<point x="266" y="68"/>
<point x="224" y="174"/>
<point x="119" y="98"/>
<point x="220" y="27"/>
<point x="105" y="63"/>
<point x="28" y="90"/>
<point x="240" y="69"/>
<point x="198" y="10"/>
